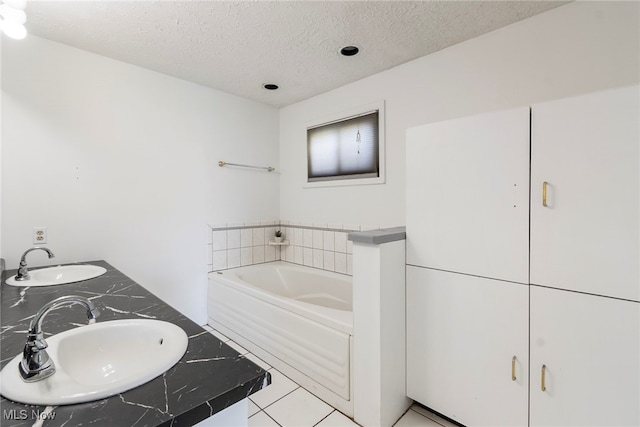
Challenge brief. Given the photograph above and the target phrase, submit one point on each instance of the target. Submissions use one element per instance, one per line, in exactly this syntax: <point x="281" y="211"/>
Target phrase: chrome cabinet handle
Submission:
<point x="513" y="368"/>
<point x="544" y="194"/>
<point x="543" y="387"/>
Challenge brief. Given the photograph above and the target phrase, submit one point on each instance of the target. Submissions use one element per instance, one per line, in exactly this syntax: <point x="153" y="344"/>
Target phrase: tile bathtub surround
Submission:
<point x="323" y="246"/>
<point x="237" y="245"/>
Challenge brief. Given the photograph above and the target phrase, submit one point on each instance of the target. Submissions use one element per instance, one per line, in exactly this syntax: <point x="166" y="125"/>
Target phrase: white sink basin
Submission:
<point x="99" y="360"/>
<point x="59" y="275"/>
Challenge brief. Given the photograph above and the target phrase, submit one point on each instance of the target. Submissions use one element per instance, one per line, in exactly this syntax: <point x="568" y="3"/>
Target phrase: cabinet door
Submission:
<point x="462" y="335"/>
<point x="467" y="187"/>
<point x="586" y="150"/>
<point x="590" y="348"/>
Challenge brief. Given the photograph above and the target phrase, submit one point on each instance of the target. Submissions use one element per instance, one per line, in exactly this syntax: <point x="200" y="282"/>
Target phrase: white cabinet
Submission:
<point x="468" y="195"/>
<point x="586" y="150"/>
<point x="581" y="302"/>
<point x="463" y="331"/>
<point x="462" y="335"/>
<point x="590" y="347"/>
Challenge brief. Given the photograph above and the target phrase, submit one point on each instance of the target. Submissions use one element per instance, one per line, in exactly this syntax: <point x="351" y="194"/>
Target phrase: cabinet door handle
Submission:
<point x="513" y="368"/>
<point x="544" y="194"/>
<point x="543" y="387"/>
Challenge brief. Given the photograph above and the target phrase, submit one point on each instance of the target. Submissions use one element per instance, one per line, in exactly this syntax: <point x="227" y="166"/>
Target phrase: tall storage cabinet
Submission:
<point x="589" y="347"/>
<point x="468" y="212"/>
<point x="584" y="236"/>
<point x="468" y="195"/>
<point x="579" y="309"/>
<point x="468" y="346"/>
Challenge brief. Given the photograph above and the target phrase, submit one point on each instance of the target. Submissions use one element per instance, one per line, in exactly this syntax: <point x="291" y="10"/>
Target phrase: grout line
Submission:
<point x="282" y="397"/>
<point x="239" y="351"/>
<point x="267" y="415"/>
<point x="249" y="403"/>
<point x="403" y="415"/>
<point x="427" y="417"/>
<point x="277" y="423"/>
<point x="224" y="340"/>
<point x="255" y="402"/>
<point x="298" y="386"/>
<point x="334" y="410"/>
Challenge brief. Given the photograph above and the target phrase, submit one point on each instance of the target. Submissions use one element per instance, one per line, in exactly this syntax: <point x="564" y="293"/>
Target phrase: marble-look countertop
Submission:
<point x="210" y="377"/>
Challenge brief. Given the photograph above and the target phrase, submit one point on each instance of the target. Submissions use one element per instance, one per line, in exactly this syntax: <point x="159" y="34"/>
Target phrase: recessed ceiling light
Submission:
<point x="270" y="86"/>
<point x="349" y="50"/>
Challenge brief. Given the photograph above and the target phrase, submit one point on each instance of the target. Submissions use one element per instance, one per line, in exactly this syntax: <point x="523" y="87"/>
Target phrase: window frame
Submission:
<point x="344" y="180"/>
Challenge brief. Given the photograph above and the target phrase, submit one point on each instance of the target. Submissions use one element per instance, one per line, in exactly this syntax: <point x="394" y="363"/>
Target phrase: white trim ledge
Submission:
<point x="378" y="237"/>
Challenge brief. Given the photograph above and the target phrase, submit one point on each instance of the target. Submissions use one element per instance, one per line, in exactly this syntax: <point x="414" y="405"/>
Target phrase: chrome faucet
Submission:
<point x="23" y="273"/>
<point x="36" y="364"/>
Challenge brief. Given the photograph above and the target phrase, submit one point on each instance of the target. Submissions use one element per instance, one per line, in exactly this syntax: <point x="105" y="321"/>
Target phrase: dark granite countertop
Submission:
<point x="210" y="377"/>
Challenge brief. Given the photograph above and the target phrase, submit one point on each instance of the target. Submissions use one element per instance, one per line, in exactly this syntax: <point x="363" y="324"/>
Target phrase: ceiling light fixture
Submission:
<point x="349" y="50"/>
<point x="12" y="18"/>
<point x="270" y="86"/>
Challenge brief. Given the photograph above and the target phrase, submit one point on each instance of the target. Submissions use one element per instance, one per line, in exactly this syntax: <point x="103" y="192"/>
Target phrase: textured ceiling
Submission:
<point x="236" y="46"/>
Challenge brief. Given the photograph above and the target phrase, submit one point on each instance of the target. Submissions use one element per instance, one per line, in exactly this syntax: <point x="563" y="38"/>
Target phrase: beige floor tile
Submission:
<point x="280" y="386"/>
<point x="337" y="419"/>
<point x="253" y="408"/>
<point x="237" y="347"/>
<point x="219" y="335"/>
<point x="255" y="359"/>
<point x="298" y="409"/>
<point x="414" y="419"/>
<point x="261" y="419"/>
<point x="445" y="423"/>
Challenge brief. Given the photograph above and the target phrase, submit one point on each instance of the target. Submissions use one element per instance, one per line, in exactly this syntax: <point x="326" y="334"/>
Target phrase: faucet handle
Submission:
<point x="93" y="313"/>
<point x="36" y="341"/>
<point x="40" y="344"/>
<point x="36" y="363"/>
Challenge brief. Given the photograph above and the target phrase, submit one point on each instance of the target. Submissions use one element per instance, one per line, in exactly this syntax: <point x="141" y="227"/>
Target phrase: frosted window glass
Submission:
<point x="345" y="149"/>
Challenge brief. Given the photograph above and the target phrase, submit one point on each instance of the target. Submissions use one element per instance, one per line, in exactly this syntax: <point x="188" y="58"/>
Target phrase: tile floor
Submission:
<point x="286" y="404"/>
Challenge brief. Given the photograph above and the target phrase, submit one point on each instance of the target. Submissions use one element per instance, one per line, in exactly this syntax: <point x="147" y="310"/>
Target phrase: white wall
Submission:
<point x="574" y="49"/>
<point x="1" y="258"/>
<point x="120" y="163"/>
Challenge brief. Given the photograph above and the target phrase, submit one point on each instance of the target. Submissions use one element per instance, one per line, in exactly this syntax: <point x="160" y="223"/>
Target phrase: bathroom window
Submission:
<point x="347" y="151"/>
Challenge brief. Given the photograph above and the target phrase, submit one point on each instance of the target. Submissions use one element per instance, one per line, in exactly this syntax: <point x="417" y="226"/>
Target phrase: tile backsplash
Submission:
<point x="236" y="245"/>
<point x="318" y="245"/>
<point x="323" y="246"/>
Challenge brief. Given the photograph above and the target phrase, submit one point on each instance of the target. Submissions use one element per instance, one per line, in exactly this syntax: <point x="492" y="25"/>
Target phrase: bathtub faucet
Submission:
<point x="23" y="273"/>
<point x="36" y="364"/>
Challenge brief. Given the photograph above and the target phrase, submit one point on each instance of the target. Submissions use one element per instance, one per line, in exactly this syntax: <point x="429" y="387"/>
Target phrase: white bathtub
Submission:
<point x="298" y="319"/>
